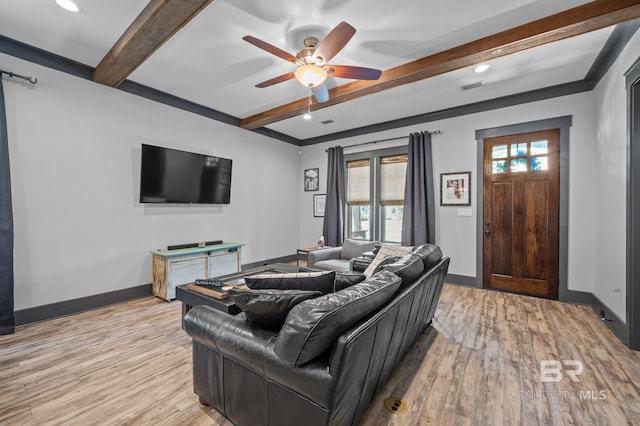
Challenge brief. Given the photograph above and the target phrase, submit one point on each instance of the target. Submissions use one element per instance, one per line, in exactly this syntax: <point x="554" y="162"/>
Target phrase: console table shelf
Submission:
<point x="172" y="268"/>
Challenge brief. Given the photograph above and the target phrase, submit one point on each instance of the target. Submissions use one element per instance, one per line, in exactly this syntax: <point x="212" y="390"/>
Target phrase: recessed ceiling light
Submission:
<point x="307" y="116"/>
<point x="69" y="5"/>
<point x="481" y="68"/>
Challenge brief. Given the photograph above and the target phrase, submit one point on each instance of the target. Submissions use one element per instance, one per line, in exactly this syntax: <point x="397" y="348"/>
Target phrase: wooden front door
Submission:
<point x="521" y="213"/>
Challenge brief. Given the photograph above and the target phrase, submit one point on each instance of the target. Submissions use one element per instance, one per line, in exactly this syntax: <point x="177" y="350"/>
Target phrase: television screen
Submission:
<point x="172" y="176"/>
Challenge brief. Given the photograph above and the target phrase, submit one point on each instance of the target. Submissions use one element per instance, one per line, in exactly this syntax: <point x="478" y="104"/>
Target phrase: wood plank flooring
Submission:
<point x="130" y="364"/>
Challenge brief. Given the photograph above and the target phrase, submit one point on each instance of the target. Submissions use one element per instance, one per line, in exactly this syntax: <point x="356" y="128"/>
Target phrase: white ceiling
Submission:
<point x="208" y="63"/>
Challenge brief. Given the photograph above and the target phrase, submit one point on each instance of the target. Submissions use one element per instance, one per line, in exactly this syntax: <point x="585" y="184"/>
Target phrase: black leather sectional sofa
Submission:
<point x="333" y="353"/>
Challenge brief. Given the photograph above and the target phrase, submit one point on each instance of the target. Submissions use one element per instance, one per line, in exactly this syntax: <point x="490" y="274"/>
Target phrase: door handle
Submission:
<point x="487" y="232"/>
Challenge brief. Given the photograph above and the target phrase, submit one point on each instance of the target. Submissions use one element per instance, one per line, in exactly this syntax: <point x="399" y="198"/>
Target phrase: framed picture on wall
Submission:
<point x="318" y="204"/>
<point x="455" y="189"/>
<point x="312" y="179"/>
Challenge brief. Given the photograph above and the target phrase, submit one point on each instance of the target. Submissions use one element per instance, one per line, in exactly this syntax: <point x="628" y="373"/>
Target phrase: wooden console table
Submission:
<point x="172" y="268"/>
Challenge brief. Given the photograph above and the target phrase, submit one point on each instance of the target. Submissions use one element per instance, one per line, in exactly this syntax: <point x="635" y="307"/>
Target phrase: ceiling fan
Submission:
<point x="312" y="60"/>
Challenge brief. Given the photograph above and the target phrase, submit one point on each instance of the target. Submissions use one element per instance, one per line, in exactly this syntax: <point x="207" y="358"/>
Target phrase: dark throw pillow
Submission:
<point x="312" y="327"/>
<point x="269" y="308"/>
<point x="408" y="267"/>
<point x="347" y="279"/>
<point x="317" y="281"/>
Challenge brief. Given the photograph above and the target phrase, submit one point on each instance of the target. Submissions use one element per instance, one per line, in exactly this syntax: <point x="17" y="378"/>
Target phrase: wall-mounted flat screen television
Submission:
<point x="173" y="176"/>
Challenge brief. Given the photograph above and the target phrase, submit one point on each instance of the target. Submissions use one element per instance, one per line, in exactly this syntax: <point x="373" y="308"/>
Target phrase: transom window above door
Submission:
<point x="520" y="157"/>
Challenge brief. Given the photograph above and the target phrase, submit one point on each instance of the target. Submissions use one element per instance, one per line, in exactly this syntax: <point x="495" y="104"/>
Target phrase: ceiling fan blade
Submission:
<point x="356" y="73"/>
<point x="321" y="93"/>
<point x="276" y="80"/>
<point x="334" y="41"/>
<point x="271" y="49"/>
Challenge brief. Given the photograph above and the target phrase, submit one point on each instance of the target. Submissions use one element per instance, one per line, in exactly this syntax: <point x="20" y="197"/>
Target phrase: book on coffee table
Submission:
<point x="217" y="292"/>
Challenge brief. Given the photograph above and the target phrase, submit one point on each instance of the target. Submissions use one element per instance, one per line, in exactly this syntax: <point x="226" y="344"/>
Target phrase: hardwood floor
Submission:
<point x="478" y="365"/>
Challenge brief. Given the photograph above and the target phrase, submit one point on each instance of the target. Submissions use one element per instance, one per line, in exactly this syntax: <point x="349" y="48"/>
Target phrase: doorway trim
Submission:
<point x="564" y="124"/>
<point x="632" y="81"/>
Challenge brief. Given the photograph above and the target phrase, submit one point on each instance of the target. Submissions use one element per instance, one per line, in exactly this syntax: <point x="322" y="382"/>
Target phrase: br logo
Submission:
<point x="552" y="370"/>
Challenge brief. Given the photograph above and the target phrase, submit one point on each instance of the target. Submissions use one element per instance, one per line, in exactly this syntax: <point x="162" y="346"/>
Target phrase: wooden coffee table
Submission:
<point x="191" y="295"/>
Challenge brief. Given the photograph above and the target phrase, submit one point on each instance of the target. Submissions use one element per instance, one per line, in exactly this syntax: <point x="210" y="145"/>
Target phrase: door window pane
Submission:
<point x="539" y="147"/>
<point x="499" y="151"/>
<point x="519" y="165"/>
<point x="392" y="223"/>
<point x="499" y="166"/>
<point x="358" y="182"/>
<point x="375" y="194"/>
<point x="359" y="221"/>
<point x="518" y="149"/>
<point x="539" y="163"/>
<point x="393" y="175"/>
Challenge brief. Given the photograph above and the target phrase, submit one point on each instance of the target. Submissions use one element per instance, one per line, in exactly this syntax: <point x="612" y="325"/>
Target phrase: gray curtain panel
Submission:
<point x="7" y="321"/>
<point x="419" y="217"/>
<point x="333" y="227"/>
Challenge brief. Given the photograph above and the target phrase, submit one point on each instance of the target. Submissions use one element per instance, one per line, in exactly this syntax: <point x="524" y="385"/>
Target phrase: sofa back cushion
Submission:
<point x="408" y="267"/>
<point x="430" y="254"/>
<point x="269" y="307"/>
<point x="354" y="248"/>
<point x="312" y="327"/>
<point x="317" y="281"/>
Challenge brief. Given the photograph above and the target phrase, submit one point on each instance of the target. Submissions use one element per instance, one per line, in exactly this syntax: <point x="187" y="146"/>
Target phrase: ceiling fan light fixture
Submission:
<point x="310" y="75"/>
<point x="69" y="5"/>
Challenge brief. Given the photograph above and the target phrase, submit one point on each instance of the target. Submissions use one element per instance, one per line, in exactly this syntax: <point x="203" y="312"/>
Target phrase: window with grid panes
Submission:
<point x="375" y="194"/>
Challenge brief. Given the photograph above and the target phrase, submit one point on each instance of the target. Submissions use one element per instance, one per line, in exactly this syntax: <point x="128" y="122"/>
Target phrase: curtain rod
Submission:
<point x="435" y="132"/>
<point x="30" y="79"/>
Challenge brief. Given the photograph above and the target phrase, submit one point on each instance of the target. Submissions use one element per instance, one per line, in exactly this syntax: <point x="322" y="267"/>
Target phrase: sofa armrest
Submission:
<point x="232" y="336"/>
<point x="252" y="347"/>
<point x="323" y="254"/>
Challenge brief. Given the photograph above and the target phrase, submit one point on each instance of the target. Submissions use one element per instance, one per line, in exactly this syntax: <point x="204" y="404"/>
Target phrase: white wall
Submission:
<point x="455" y="150"/>
<point x="610" y="189"/>
<point x="75" y="152"/>
<point x="312" y="157"/>
<point x="75" y="163"/>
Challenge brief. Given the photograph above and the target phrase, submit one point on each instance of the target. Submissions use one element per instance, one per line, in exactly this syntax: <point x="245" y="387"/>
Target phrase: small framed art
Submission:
<point x="318" y="204"/>
<point x="311" y="179"/>
<point x="455" y="189"/>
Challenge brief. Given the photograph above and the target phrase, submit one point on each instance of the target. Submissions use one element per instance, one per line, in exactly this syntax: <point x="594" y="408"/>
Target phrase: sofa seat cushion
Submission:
<point x="385" y="251"/>
<point x="318" y="281"/>
<point x="338" y="265"/>
<point x="269" y="307"/>
<point x="312" y="327"/>
<point x="408" y="267"/>
<point x="430" y="254"/>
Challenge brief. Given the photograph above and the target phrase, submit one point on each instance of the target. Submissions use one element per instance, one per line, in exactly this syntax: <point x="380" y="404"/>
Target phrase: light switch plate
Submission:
<point x="467" y="212"/>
